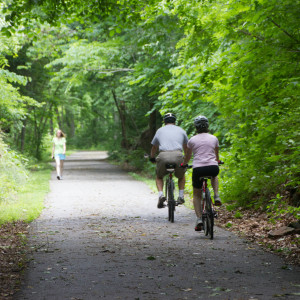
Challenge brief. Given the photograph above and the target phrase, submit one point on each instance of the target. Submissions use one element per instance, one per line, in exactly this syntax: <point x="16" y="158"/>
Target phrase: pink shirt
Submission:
<point x="203" y="146"/>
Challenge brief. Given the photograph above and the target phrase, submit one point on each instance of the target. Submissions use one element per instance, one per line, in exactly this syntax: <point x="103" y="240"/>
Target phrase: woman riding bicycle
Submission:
<point x="205" y="148"/>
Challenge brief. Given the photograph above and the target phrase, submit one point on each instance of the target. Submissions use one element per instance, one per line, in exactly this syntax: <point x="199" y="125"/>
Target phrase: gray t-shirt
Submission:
<point x="170" y="138"/>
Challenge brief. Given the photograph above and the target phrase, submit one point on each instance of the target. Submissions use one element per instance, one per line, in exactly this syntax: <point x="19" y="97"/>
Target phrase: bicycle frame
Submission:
<point x="204" y="188"/>
<point x="170" y="192"/>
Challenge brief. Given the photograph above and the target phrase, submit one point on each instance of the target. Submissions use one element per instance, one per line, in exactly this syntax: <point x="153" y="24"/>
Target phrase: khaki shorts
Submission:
<point x="171" y="157"/>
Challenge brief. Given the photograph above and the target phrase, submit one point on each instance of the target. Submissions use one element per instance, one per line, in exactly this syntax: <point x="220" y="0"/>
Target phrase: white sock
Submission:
<point x="181" y="193"/>
<point x="160" y="193"/>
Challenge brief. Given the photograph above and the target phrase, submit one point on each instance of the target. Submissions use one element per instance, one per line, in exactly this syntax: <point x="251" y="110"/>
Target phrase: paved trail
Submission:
<point x="101" y="236"/>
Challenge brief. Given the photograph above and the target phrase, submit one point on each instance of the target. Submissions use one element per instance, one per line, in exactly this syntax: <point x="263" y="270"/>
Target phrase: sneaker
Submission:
<point x="217" y="201"/>
<point x="161" y="201"/>
<point x="180" y="200"/>
<point x="199" y="224"/>
<point x="58" y="177"/>
<point x="61" y="178"/>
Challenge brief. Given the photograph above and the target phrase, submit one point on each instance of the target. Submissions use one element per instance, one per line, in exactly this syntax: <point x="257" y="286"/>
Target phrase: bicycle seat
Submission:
<point x="170" y="167"/>
<point x="206" y="177"/>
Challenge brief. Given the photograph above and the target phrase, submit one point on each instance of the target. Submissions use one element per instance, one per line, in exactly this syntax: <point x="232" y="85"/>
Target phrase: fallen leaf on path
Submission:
<point x="151" y="257"/>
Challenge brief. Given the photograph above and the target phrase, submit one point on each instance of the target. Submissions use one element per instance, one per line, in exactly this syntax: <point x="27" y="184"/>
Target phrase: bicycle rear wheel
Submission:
<point x="210" y="214"/>
<point x="167" y="197"/>
<point x="205" y="225"/>
<point x="171" y="201"/>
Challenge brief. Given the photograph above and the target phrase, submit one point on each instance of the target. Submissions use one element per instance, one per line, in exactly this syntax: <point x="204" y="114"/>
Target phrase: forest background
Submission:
<point x="106" y="71"/>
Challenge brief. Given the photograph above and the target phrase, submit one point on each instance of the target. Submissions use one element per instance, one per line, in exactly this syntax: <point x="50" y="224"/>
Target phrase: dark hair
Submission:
<point x="170" y="121"/>
<point x="202" y="130"/>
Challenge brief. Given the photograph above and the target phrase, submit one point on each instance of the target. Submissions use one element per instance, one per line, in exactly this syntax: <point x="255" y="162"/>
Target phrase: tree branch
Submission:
<point x="104" y="71"/>
<point x="250" y="34"/>
<point x="288" y="34"/>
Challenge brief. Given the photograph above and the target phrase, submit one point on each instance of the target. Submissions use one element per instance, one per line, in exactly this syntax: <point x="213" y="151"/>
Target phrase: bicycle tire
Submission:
<point x="171" y="201"/>
<point x="167" y="197"/>
<point x="205" y="225"/>
<point x="210" y="214"/>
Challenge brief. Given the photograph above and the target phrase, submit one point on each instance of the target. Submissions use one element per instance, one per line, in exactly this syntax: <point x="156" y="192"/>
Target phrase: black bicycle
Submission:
<point x="208" y="209"/>
<point x="170" y="187"/>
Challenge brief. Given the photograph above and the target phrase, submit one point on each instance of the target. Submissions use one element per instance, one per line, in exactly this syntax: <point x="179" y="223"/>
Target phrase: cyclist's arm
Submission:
<point x="217" y="153"/>
<point x="188" y="155"/>
<point x="153" y="150"/>
<point x="184" y="149"/>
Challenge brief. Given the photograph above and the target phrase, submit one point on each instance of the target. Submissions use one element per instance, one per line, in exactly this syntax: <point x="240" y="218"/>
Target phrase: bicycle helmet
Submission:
<point x="201" y="122"/>
<point x="169" y="118"/>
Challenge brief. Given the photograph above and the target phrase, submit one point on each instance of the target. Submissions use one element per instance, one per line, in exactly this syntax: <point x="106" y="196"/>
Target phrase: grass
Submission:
<point x="29" y="202"/>
<point x="149" y="181"/>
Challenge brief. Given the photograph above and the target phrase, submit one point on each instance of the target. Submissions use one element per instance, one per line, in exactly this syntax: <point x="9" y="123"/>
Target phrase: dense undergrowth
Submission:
<point x="24" y="183"/>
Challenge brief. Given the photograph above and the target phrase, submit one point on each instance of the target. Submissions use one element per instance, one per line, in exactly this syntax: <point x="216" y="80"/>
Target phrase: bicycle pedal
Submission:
<point x="199" y="228"/>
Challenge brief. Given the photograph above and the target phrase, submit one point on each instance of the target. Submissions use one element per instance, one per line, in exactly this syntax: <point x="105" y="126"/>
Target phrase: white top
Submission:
<point x="170" y="138"/>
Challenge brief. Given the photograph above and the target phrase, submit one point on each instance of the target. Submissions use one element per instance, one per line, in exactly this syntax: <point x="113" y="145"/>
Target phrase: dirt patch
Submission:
<point x="12" y="257"/>
<point x="256" y="226"/>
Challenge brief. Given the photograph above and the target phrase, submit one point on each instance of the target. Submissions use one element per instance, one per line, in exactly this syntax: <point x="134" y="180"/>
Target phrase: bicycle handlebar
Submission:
<point x="152" y="159"/>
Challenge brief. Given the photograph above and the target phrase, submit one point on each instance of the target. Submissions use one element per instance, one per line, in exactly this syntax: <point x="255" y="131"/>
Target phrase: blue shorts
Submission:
<point x="60" y="156"/>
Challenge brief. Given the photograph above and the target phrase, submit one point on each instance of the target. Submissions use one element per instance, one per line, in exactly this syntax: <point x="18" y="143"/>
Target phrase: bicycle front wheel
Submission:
<point x="210" y="214"/>
<point x="171" y="201"/>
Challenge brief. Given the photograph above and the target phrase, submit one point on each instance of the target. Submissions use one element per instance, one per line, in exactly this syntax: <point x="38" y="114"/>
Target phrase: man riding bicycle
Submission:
<point x="170" y="140"/>
<point x="205" y="147"/>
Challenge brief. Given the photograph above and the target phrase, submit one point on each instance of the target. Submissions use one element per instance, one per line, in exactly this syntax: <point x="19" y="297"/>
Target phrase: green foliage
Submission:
<point x="238" y="215"/>
<point x="228" y="225"/>
<point x="29" y="202"/>
<point x="13" y="173"/>
<point x="242" y="58"/>
<point x="278" y="209"/>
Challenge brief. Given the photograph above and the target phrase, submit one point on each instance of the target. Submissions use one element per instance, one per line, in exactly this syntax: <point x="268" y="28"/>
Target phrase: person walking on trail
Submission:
<point x="169" y="140"/>
<point x="205" y="148"/>
<point x="59" y="152"/>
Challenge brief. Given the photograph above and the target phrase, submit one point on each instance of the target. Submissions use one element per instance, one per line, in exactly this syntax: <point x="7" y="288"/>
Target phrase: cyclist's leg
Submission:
<point x="160" y="173"/>
<point x="212" y="171"/>
<point x="197" y="197"/>
<point x="215" y="185"/>
<point x="159" y="184"/>
<point x="180" y="174"/>
<point x="197" y="200"/>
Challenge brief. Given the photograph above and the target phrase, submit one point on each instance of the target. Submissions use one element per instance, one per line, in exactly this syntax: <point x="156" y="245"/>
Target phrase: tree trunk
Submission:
<point x="152" y="123"/>
<point x="59" y="121"/>
<point x="121" y="109"/>
<point x="51" y="126"/>
<point x="147" y="135"/>
<point x="23" y="134"/>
